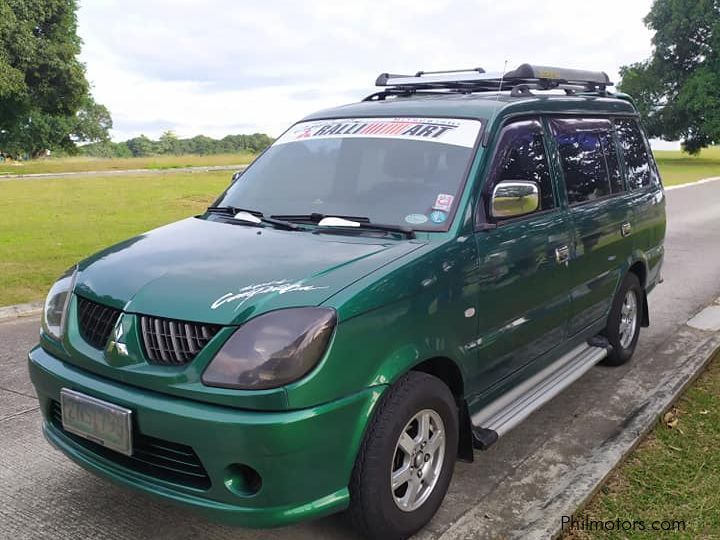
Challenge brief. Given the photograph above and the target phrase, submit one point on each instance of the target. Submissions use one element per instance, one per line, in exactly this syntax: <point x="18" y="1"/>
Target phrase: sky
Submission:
<point x="216" y="67"/>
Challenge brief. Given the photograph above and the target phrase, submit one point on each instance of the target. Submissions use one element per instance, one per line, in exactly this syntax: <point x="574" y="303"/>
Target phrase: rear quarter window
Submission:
<point x="637" y="161"/>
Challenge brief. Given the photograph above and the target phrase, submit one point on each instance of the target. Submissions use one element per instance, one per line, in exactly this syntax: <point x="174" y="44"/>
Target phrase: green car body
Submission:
<point x="480" y="307"/>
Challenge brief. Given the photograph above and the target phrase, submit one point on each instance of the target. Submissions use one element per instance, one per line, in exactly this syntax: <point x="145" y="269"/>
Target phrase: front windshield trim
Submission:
<point x="462" y="186"/>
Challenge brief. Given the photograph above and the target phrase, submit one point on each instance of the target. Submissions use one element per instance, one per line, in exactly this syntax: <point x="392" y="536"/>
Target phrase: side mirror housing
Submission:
<point x="513" y="198"/>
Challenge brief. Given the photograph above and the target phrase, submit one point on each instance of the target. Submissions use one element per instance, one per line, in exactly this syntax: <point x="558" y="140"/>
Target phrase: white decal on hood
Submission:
<point x="280" y="286"/>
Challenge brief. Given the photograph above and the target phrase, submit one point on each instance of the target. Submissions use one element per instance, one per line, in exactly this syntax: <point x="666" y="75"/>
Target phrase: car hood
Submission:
<point x="220" y="273"/>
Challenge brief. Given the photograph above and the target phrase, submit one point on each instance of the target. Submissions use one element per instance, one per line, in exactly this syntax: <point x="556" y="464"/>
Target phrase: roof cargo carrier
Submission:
<point x="519" y="81"/>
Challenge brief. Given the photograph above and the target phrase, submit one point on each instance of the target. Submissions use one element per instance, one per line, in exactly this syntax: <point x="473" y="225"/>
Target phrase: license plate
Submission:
<point x="96" y="420"/>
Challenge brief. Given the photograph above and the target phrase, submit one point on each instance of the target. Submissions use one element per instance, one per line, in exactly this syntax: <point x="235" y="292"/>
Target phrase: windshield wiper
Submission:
<point x="252" y="215"/>
<point x="347" y="223"/>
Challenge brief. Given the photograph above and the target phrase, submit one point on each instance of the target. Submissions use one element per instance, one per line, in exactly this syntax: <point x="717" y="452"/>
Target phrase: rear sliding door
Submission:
<point x="600" y="215"/>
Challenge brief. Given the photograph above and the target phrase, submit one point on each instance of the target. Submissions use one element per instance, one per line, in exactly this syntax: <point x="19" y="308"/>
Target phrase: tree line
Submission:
<point x="170" y="144"/>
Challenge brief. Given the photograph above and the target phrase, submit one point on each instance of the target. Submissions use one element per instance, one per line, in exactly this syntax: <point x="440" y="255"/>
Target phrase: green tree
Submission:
<point x="44" y="96"/>
<point x="168" y="143"/>
<point x="677" y="89"/>
<point x="141" y="146"/>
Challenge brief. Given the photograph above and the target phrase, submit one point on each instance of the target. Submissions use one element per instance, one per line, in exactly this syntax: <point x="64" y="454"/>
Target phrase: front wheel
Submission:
<point x="406" y="461"/>
<point x="623" y="326"/>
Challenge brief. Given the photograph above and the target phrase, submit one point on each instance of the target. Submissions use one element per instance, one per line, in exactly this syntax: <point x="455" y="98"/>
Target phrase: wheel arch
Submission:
<point x="450" y="373"/>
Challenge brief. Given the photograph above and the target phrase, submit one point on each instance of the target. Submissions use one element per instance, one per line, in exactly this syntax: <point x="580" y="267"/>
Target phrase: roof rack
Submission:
<point x="520" y="81"/>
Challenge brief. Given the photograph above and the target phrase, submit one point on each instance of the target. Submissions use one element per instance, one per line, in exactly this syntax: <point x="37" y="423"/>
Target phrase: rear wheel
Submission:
<point x="623" y="326"/>
<point x="406" y="461"/>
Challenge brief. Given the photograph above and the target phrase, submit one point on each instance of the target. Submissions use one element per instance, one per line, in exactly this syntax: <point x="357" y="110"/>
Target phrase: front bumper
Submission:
<point x="304" y="458"/>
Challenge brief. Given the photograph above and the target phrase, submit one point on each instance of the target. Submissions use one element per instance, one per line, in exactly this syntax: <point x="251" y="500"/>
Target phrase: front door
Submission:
<point x="522" y="286"/>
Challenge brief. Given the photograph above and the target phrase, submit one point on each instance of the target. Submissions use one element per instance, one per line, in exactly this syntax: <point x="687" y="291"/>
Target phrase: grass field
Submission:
<point x="47" y="225"/>
<point x="673" y="475"/>
<point x="80" y="164"/>
<point x="678" y="168"/>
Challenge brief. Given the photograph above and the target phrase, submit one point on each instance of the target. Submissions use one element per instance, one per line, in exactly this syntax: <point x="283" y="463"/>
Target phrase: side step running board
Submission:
<point x="510" y="409"/>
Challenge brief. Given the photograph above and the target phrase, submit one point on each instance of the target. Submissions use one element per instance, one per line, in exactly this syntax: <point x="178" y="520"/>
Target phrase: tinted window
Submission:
<point x="389" y="170"/>
<point x="521" y="156"/>
<point x="588" y="158"/>
<point x="637" y="163"/>
<point x="611" y="161"/>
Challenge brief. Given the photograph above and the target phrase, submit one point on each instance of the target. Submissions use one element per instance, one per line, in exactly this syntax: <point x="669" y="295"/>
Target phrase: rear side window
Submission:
<point x="635" y="155"/>
<point x="588" y="157"/>
<point x="521" y="155"/>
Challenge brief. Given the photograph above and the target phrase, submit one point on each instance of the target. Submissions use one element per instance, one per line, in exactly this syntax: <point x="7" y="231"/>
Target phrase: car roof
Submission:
<point x="483" y="106"/>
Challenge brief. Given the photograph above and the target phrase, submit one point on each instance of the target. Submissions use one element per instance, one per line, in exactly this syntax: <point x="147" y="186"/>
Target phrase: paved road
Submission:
<point x="43" y="495"/>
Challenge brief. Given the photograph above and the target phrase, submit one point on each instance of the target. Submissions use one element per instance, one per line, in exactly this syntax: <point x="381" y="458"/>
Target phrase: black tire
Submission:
<point x="373" y="506"/>
<point x="622" y="350"/>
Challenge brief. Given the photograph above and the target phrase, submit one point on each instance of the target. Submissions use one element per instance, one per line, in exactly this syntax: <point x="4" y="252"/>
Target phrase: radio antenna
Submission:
<point x="502" y="78"/>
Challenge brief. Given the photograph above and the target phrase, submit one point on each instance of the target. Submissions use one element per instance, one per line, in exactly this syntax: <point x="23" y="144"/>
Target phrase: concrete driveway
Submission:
<point x="520" y="488"/>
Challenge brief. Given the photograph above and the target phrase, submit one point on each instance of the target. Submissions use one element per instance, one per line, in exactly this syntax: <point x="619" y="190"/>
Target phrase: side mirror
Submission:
<point x="237" y="175"/>
<point x="513" y="198"/>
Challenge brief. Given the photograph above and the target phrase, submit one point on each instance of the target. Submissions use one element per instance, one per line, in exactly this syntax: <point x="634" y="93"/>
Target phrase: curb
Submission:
<point x="20" y="310"/>
<point x="696" y="183"/>
<point x="537" y="516"/>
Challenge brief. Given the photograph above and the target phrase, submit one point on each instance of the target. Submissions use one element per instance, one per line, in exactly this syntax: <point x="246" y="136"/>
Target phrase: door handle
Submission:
<point x="625" y="229"/>
<point x="562" y="255"/>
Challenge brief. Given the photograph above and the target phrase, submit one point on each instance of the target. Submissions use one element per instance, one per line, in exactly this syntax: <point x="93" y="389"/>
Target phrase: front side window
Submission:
<point x="398" y="171"/>
<point x="588" y="158"/>
<point x="521" y="156"/>
<point x="632" y="144"/>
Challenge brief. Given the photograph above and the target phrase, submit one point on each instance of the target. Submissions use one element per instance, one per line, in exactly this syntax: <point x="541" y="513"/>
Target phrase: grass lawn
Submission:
<point x="675" y="167"/>
<point x="678" y="168"/>
<point x="47" y="225"/>
<point x="673" y="475"/>
<point x="77" y="164"/>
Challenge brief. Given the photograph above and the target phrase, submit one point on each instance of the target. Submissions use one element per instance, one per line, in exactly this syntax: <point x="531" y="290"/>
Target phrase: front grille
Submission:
<point x="96" y="321"/>
<point x="171" y="342"/>
<point x="164" y="460"/>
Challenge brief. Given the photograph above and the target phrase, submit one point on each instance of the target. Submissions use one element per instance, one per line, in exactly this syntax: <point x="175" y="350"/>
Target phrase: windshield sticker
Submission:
<point x="416" y="219"/>
<point x="438" y="217"/>
<point x="443" y="202"/>
<point x="280" y="286"/>
<point x="455" y="131"/>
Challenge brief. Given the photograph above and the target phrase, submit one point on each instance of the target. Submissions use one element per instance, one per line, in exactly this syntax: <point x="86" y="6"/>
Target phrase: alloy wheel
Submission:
<point x="628" y="319"/>
<point x="418" y="460"/>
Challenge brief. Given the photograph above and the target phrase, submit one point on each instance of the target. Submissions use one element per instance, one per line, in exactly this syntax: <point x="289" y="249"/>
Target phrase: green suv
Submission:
<point x="390" y="286"/>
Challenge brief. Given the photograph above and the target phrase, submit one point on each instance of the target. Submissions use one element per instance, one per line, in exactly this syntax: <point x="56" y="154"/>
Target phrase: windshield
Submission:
<point x="396" y="171"/>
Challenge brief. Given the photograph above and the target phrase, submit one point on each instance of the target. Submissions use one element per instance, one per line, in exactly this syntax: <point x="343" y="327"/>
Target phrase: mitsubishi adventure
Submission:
<point x="391" y="286"/>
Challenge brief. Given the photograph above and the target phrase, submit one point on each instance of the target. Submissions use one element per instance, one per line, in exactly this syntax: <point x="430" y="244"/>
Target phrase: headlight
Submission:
<point x="55" y="309"/>
<point x="272" y="350"/>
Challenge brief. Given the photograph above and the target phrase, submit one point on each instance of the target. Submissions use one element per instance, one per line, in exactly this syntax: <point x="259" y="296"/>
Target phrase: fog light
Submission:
<point x="242" y="480"/>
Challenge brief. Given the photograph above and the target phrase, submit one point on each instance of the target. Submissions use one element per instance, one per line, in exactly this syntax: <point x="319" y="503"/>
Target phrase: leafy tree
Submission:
<point x="677" y="89"/>
<point x="258" y="142"/>
<point x="44" y="96"/>
<point x="106" y="149"/>
<point x="169" y="143"/>
<point x="200" y="144"/>
<point x="141" y="146"/>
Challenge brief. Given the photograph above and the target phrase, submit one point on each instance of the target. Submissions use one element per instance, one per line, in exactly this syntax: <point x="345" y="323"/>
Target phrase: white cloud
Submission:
<point x="220" y="66"/>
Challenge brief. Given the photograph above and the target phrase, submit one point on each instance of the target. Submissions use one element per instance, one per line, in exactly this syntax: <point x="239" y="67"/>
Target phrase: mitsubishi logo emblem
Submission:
<point x="117" y="342"/>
